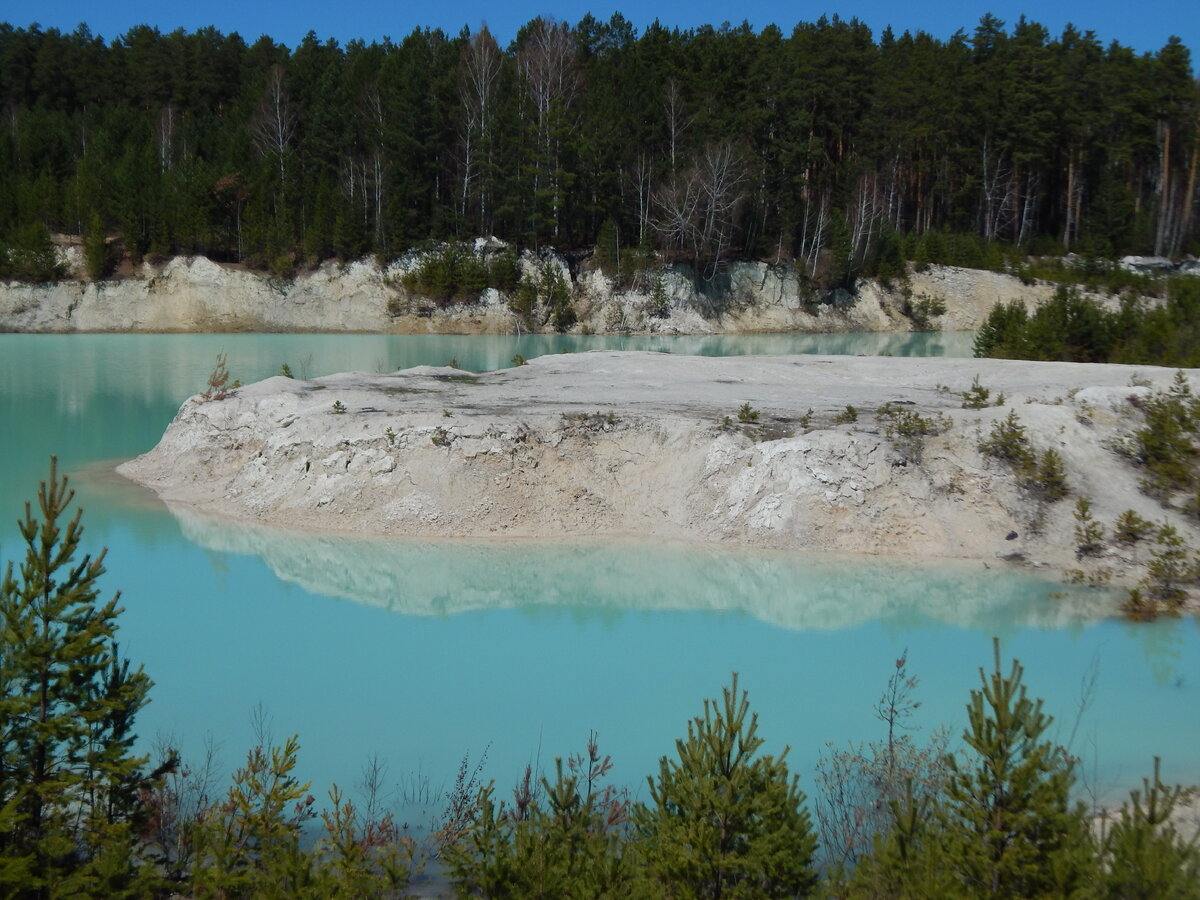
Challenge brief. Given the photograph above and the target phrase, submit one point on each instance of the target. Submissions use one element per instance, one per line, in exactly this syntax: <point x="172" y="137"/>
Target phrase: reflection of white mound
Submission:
<point x="792" y="591"/>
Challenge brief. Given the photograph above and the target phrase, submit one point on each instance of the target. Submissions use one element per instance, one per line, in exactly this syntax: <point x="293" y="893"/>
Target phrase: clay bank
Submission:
<point x="798" y="453"/>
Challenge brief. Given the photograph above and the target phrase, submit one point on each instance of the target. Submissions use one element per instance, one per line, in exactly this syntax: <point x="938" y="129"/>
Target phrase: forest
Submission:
<point x="828" y="147"/>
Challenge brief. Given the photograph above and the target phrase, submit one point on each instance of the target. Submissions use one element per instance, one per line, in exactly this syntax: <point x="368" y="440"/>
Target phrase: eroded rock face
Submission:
<point x="194" y="294"/>
<point x="649" y="445"/>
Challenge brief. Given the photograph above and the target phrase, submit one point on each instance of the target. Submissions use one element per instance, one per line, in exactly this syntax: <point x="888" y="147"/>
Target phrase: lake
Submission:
<point x="417" y="652"/>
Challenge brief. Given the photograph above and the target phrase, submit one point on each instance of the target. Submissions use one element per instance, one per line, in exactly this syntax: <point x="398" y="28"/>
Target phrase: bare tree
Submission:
<point x="867" y="211"/>
<point x="813" y="226"/>
<point x="375" y="117"/>
<point x="164" y="136"/>
<point x="997" y="187"/>
<point x="548" y="63"/>
<point x="479" y="75"/>
<point x="697" y="208"/>
<point x="641" y="177"/>
<point x="274" y="124"/>
<point x="678" y="121"/>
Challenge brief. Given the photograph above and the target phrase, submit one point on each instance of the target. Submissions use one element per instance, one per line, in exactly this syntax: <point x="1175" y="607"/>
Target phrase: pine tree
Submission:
<point x="1011" y="830"/>
<point x="560" y="839"/>
<point x="1146" y="856"/>
<point x="69" y="780"/>
<point x="726" y="822"/>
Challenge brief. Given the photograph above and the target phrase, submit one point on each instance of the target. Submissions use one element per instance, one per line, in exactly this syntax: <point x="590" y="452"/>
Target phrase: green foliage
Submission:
<point x="747" y="413"/>
<point x="1144" y="854"/>
<point x="1048" y="481"/>
<point x="455" y="274"/>
<point x="907" y="430"/>
<point x="29" y="255"/>
<point x="69" y="780"/>
<point x="1070" y="327"/>
<point x="922" y="311"/>
<point x="1009" y="827"/>
<point x="555" y="293"/>
<point x="1008" y="442"/>
<point x="97" y="255"/>
<point x="1165" y="445"/>
<point x="338" y="408"/>
<point x="909" y="861"/>
<point x="1089" y="534"/>
<point x="1129" y="528"/>
<point x="251" y="844"/>
<point x="847" y="416"/>
<point x="724" y="821"/>
<point x="1066" y="327"/>
<point x="977" y="396"/>
<point x="548" y="294"/>
<point x="1090" y="272"/>
<point x="659" y="304"/>
<point x="286" y="371"/>
<point x="1169" y="570"/>
<point x="1042" y="475"/>
<point x="373" y="147"/>
<point x="565" y="839"/>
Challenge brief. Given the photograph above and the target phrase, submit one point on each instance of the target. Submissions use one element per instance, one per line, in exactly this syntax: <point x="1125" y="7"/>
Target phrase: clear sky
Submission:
<point x="1144" y="25"/>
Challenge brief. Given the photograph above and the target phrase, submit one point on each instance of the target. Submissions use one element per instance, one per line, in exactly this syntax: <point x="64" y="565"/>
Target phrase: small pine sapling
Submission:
<point x="976" y="396"/>
<point x="1129" y="528"/>
<point x="218" y="381"/>
<point x="1089" y="534"/>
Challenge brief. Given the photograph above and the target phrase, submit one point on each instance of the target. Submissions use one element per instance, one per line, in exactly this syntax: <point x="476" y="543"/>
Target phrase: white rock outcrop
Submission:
<point x="195" y="294"/>
<point x="649" y="445"/>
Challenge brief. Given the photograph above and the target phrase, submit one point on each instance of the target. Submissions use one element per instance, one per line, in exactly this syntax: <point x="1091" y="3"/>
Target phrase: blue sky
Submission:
<point x="1144" y="25"/>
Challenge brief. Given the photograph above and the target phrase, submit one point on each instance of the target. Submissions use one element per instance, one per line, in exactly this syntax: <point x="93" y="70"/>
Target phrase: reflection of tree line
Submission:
<point x="815" y="593"/>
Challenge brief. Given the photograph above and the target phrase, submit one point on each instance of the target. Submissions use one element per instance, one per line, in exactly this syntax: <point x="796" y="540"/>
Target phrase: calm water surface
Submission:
<point x="417" y="652"/>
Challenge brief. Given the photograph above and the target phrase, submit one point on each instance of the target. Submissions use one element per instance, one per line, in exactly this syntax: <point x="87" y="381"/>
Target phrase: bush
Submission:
<point x="1048" y="481"/>
<point x="907" y="430"/>
<point x="1008" y="442"/>
<point x="456" y="274"/>
<point x="30" y="256"/>
<point x="1089" y="534"/>
<point x="1070" y="327"/>
<point x="97" y="256"/>
<point x="747" y="413"/>
<point x="562" y="838"/>
<point x="922" y="311"/>
<point x="1165" y="444"/>
<point x="1129" y="528"/>
<point x="1169" y="569"/>
<point x="978" y="397"/>
<point x="724" y="821"/>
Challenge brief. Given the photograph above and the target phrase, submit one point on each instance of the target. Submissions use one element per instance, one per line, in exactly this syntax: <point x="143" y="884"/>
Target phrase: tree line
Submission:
<point x="827" y="147"/>
<point x="83" y="815"/>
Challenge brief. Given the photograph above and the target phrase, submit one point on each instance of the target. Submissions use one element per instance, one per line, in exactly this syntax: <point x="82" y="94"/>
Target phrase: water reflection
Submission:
<point x="794" y="591"/>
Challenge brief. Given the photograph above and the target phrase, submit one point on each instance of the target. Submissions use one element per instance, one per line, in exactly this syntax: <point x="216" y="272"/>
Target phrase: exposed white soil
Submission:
<point x="195" y="294"/>
<point x="637" y="445"/>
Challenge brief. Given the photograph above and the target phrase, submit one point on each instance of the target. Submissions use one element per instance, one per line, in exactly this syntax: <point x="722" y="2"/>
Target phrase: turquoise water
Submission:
<point x="417" y="652"/>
